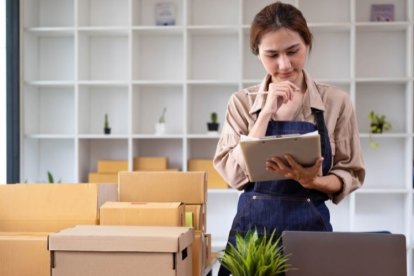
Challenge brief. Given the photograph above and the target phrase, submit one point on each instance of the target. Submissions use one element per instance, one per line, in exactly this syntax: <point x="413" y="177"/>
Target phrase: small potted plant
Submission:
<point x="213" y="125"/>
<point x="378" y="124"/>
<point x="107" y="129"/>
<point x="255" y="255"/>
<point x="160" y="125"/>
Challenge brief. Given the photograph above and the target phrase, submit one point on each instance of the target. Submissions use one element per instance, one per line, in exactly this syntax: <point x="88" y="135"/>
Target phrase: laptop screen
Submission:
<point x="345" y="253"/>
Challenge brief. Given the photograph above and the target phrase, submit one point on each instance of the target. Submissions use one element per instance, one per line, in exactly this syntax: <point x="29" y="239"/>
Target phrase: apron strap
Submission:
<point x="320" y="126"/>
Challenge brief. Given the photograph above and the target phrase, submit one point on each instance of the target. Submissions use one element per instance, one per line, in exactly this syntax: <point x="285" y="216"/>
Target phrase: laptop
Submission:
<point x="345" y="253"/>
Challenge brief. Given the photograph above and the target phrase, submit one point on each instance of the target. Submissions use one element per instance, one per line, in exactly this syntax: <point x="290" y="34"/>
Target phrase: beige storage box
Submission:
<point x="122" y="250"/>
<point x="142" y="213"/>
<point x="150" y="163"/>
<point x="185" y="187"/>
<point x="112" y="166"/>
<point x="214" y="180"/>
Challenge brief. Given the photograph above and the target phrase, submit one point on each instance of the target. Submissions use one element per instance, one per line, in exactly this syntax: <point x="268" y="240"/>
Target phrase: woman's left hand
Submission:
<point x="288" y="167"/>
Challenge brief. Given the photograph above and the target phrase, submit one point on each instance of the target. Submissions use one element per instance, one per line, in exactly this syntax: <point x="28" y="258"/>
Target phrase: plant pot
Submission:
<point x="159" y="128"/>
<point x="213" y="127"/>
<point x="107" y="130"/>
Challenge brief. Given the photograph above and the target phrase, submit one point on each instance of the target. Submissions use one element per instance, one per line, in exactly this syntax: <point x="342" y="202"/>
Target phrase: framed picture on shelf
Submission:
<point x="165" y="14"/>
<point x="382" y="12"/>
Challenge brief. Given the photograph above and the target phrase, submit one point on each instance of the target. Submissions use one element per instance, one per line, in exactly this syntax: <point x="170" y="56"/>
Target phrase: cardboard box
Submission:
<point x="24" y="254"/>
<point x="207" y="238"/>
<point x="199" y="215"/>
<point x="186" y="187"/>
<point x="95" y="177"/>
<point x="142" y="213"/>
<point x="122" y="250"/>
<point x="47" y="207"/>
<point x="214" y="179"/>
<point x="112" y="166"/>
<point x="199" y="257"/>
<point x="150" y="163"/>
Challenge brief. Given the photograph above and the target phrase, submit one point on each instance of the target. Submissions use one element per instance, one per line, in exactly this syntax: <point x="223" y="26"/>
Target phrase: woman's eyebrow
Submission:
<point x="292" y="47"/>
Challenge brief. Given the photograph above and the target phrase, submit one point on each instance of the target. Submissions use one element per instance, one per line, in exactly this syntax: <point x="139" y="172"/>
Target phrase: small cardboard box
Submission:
<point x="24" y="254"/>
<point x="150" y="163"/>
<point x="47" y="207"/>
<point x="95" y="177"/>
<point x="199" y="215"/>
<point x="112" y="166"/>
<point x="214" y="180"/>
<point x="186" y="187"/>
<point x="199" y="257"/>
<point x="122" y="250"/>
<point x="142" y="213"/>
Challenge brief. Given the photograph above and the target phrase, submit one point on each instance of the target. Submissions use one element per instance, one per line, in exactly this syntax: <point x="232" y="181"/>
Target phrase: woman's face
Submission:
<point x="283" y="55"/>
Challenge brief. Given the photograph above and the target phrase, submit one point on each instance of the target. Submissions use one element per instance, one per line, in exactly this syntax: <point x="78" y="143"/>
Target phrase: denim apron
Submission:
<point x="284" y="204"/>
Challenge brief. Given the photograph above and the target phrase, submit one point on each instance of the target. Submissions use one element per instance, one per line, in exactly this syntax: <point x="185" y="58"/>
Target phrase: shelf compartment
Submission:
<point x="381" y="97"/>
<point x="219" y="51"/>
<point x="330" y="54"/>
<point x="43" y="155"/>
<point x="252" y="67"/>
<point x="363" y="9"/>
<point x="201" y="98"/>
<point x="103" y="13"/>
<point x="49" y="110"/>
<point x="97" y="100"/>
<point x="381" y="172"/>
<point x="48" y="13"/>
<point x="373" y="51"/>
<point x="379" y="212"/>
<point x="148" y="102"/>
<point x="143" y="12"/>
<point x="202" y="148"/>
<point x="328" y="11"/>
<point x="90" y="151"/>
<point x="213" y="12"/>
<point x="161" y="52"/>
<point x="340" y="215"/>
<point x="103" y="56"/>
<point x="171" y="148"/>
<point x="49" y="57"/>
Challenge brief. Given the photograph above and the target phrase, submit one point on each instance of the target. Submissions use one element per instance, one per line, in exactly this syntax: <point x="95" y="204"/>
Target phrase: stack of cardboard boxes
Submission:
<point x="153" y="222"/>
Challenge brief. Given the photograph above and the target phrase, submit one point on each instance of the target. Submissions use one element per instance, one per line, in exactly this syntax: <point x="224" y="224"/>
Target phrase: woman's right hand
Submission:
<point x="278" y="93"/>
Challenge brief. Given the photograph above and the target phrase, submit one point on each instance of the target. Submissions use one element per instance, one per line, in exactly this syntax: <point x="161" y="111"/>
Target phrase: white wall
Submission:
<point x="3" y="152"/>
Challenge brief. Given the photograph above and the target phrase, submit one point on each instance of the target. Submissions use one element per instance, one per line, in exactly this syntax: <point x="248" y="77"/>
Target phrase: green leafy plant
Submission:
<point x="50" y="178"/>
<point x="255" y="255"/>
<point x="378" y="124"/>
<point x="162" y="117"/>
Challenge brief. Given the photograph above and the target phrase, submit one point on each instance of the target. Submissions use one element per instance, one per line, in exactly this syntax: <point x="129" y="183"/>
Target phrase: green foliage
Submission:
<point x="50" y="177"/>
<point x="213" y="117"/>
<point x="162" y="117"/>
<point x="379" y="123"/>
<point x="106" y="123"/>
<point x="255" y="255"/>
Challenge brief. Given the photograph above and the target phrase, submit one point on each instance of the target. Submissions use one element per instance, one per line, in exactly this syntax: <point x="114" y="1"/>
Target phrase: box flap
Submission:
<point x="47" y="207"/>
<point x="122" y="238"/>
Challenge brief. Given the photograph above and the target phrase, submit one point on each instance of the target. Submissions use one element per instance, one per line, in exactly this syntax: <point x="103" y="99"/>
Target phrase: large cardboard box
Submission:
<point x="199" y="256"/>
<point x="150" y="163"/>
<point x="122" y="250"/>
<point x="142" y="213"/>
<point x="186" y="187"/>
<point x="112" y="166"/>
<point x="95" y="177"/>
<point x="24" y="254"/>
<point x="214" y="179"/>
<point x="47" y="207"/>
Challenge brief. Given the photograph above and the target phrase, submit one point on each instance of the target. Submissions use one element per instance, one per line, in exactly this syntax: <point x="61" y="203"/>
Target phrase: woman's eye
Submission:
<point x="291" y="53"/>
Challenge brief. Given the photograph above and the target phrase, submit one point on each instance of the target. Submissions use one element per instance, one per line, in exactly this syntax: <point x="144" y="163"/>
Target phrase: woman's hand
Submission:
<point x="278" y="93"/>
<point x="288" y="167"/>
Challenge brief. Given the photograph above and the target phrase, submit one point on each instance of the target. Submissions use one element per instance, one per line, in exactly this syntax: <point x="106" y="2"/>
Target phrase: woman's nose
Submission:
<point x="284" y="62"/>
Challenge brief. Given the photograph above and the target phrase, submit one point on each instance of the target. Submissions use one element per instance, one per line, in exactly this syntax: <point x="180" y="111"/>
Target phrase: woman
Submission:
<point x="289" y="101"/>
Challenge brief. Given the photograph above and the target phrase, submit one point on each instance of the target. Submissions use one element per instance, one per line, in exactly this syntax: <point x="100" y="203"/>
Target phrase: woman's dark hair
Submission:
<point x="275" y="16"/>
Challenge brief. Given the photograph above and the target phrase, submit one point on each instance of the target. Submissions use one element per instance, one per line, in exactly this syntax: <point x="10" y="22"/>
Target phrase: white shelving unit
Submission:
<point x="84" y="58"/>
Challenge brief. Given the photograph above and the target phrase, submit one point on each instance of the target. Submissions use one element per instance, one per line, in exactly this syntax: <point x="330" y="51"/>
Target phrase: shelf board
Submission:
<point x="203" y="136"/>
<point x="224" y="191"/>
<point x="401" y="80"/>
<point x="103" y="136"/>
<point x="51" y="31"/>
<point x="50" y="136"/>
<point x="158" y="30"/>
<point x="103" y="83"/>
<point x="50" y="83"/>
<point x="110" y="30"/>
<point x="382" y="26"/>
<point x="213" y="29"/>
<point x="375" y="191"/>
<point x="157" y="136"/>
